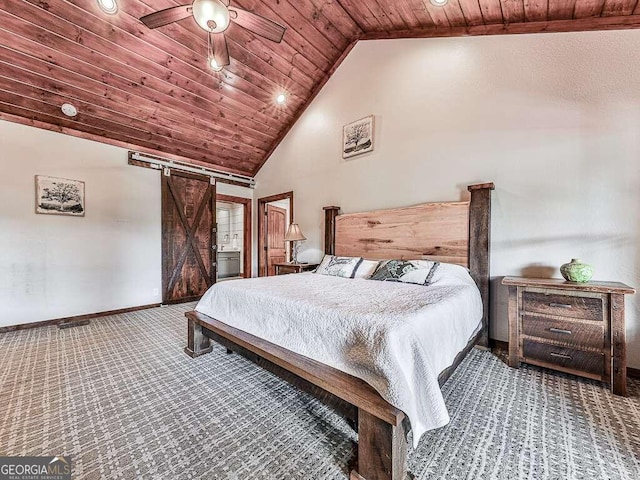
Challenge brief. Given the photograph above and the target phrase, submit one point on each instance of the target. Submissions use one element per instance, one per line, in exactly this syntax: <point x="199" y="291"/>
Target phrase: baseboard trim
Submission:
<point x="77" y="318"/>
<point x="500" y="345"/>
<point x="178" y="301"/>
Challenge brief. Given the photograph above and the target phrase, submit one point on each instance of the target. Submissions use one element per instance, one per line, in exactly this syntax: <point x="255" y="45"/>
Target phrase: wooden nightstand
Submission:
<point x="284" y="268"/>
<point x="576" y="328"/>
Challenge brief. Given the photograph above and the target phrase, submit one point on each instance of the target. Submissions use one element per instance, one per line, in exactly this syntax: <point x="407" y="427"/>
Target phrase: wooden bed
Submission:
<point x="454" y="232"/>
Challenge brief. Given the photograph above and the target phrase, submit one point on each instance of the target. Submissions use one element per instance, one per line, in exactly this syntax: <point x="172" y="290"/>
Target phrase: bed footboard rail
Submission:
<point x="345" y="386"/>
<point x="382" y="447"/>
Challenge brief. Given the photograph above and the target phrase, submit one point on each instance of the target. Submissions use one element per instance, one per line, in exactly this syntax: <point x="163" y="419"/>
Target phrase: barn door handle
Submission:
<point x="560" y="330"/>
<point x="560" y="355"/>
<point x="560" y="305"/>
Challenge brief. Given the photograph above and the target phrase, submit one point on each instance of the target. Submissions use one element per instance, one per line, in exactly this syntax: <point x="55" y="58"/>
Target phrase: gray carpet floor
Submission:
<point x="123" y="400"/>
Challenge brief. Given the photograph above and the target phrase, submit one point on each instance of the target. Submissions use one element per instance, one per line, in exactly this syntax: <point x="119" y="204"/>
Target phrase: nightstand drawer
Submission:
<point x="588" y="308"/>
<point x="575" y="333"/>
<point x="578" y="361"/>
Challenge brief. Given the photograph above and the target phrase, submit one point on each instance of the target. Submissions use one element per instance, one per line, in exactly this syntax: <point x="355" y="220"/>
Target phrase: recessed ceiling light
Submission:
<point x="214" y="65"/>
<point x="108" y="6"/>
<point x="281" y="98"/>
<point x="438" y="3"/>
<point x="69" y="110"/>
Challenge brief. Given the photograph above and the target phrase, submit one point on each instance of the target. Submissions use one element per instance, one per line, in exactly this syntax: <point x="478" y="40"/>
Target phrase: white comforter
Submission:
<point x="397" y="337"/>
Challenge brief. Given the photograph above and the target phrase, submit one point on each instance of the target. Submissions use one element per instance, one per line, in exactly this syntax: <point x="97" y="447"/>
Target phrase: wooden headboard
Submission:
<point x="452" y="232"/>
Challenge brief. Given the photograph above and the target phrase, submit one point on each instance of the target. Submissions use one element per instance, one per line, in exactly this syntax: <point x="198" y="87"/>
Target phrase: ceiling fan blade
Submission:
<point x="258" y="25"/>
<point x="166" y="16"/>
<point x="220" y="49"/>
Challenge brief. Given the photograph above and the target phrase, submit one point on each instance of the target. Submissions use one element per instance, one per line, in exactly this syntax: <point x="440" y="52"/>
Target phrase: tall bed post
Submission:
<point x="479" y="248"/>
<point x="330" y="214"/>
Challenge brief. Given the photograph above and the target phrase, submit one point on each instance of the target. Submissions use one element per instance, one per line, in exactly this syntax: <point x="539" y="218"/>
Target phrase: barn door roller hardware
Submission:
<point x="162" y="164"/>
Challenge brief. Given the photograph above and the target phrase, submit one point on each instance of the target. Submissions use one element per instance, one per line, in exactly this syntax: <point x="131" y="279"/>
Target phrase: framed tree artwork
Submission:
<point x="59" y="196"/>
<point x="357" y="137"/>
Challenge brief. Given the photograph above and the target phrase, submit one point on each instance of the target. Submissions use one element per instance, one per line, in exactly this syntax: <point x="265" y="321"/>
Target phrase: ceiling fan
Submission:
<point x="214" y="17"/>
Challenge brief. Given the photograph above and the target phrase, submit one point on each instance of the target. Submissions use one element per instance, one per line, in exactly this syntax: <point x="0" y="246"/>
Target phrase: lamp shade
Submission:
<point x="294" y="233"/>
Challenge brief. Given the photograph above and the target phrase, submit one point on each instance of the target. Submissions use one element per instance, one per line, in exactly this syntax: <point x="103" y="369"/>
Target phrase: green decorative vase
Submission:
<point x="576" y="271"/>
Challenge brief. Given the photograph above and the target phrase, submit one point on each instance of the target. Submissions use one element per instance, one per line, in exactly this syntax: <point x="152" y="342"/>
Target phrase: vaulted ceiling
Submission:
<point x="151" y="90"/>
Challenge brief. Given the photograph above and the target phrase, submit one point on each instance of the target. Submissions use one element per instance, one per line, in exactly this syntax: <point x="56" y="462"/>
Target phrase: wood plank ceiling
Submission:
<point x="151" y="90"/>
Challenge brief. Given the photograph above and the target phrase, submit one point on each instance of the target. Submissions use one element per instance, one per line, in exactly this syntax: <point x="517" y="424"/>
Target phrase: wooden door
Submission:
<point x="276" y="226"/>
<point x="188" y="236"/>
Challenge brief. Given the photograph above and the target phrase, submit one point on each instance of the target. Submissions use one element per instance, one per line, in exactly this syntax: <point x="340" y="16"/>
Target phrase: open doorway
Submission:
<point x="233" y="215"/>
<point x="275" y="214"/>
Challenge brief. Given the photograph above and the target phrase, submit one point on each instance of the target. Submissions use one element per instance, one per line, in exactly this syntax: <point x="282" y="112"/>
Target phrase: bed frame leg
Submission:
<point x="382" y="450"/>
<point x="197" y="343"/>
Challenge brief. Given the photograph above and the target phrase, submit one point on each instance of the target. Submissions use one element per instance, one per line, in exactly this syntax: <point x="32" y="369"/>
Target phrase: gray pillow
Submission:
<point x="419" y="272"/>
<point x="339" y="266"/>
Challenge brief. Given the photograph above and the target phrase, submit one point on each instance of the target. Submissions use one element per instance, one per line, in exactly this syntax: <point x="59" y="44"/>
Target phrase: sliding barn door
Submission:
<point x="188" y="236"/>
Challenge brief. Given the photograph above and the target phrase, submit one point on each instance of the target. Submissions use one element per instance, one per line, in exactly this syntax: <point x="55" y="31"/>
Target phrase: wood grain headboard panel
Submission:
<point x="454" y="232"/>
<point x="433" y="231"/>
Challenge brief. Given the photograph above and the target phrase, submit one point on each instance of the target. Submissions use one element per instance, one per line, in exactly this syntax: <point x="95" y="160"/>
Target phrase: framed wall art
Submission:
<point x="357" y="137"/>
<point x="59" y="196"/>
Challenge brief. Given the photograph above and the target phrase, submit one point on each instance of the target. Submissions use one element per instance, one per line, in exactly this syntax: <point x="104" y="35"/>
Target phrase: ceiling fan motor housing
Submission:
<point x="211" y="15"/>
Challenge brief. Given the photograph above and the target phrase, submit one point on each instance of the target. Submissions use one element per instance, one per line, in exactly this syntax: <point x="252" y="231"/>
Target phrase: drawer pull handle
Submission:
<point x="560" y="355"/>
<point x="560" y="330"/>
<point x="560" y="305"/>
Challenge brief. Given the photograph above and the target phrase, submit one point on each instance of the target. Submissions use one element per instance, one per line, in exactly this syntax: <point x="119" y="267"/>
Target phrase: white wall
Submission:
<point x="230" y="219"/>
<point x="553" y="120"/>
<point x="234" y="190"/>
<point x="223" y="216"/>
<point x="237" y="228"/>
<point x="59" y="266"/>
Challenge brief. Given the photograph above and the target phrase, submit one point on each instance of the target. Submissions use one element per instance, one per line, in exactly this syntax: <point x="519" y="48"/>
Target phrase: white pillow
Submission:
<point x="339" y="266"/>
<point x="366" y="268"/>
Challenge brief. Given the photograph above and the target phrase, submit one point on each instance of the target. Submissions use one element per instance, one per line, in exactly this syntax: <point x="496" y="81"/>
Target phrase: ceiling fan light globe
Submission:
<point x="214" y="65"/>
<point x="211" y="15"/>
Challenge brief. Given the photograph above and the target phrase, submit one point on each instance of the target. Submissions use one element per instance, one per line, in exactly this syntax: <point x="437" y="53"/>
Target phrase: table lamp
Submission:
<point x="295" y="236"/>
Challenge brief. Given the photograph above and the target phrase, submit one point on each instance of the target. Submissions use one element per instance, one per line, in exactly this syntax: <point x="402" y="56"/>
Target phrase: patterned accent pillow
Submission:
<point x="366" y="269"/>
<point x="339" y="266"/>
<point x="419" y="272"/>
